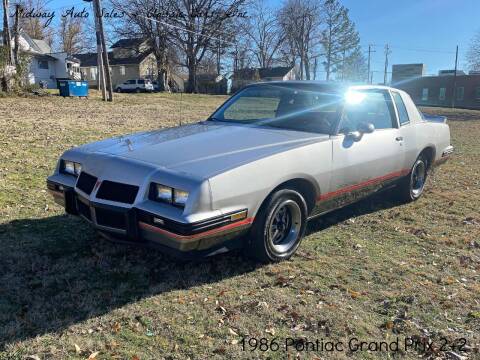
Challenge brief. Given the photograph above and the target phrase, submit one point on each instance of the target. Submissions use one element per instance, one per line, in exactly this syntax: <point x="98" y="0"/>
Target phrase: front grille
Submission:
<point x="109" y="218"/>
<point x="84" y="210"/>
<point x="86" y="182"/>
<point x="118" y="192"/>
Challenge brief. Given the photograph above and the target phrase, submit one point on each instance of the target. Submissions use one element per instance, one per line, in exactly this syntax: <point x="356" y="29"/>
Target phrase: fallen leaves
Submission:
<point x="93" y="355"/>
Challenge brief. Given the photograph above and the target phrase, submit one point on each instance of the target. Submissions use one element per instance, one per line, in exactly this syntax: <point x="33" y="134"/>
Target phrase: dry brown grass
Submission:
<point x="374" y="271"/>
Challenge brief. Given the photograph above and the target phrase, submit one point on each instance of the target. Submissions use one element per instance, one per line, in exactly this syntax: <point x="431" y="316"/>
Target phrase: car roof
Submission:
<point x="324" y="85"/>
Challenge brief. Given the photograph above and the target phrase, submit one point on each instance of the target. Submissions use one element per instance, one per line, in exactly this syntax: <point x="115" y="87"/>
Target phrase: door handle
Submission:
<point x="399" y="138"/>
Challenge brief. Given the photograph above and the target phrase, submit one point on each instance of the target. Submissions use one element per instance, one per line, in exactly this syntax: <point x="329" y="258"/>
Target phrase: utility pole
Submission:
<point x="369" y="57"/>
<point x="100" y="72"/>
<point x="5" y="81"/>
<point x="16" y="32"/>
<point x="385" y="76"/>
<point x="455" y="79"/>
<point x="6" y="33"/>
<point x="102" y="49"/>
<point x="100" y="68"/>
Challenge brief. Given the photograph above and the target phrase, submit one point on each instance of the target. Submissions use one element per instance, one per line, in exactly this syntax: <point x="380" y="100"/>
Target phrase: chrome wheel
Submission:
<point x="419" y="175"/>
<point x="284" y="226"/>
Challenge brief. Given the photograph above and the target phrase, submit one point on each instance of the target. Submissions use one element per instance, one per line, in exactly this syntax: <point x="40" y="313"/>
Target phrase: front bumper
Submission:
<point x="136" y="226"/>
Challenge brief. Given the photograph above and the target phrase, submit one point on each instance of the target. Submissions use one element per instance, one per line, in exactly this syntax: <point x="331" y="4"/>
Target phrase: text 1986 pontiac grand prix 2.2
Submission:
<point x="271" y="157"/>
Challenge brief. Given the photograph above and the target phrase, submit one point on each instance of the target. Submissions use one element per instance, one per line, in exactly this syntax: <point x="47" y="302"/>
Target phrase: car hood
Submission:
<point x="203" y="149"/>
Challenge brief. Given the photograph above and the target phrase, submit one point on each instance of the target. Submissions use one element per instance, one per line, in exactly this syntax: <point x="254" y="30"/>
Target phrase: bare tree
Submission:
<point x="71" y="35"/>
<point x="353" y="67"/>
<point x="300" y="21"/>
<point x="473" y="53"/>
<point x="199" y="24"/>
<point x="263" y="33"/>
<point x="339" y="38"/>
<point x="36" y="27"/>
<point x="147" y="19"/>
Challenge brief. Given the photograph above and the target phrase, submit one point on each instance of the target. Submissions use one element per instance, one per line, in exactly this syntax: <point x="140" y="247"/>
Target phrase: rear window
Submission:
<point x="141" y="81"/>
<point x="401" y="109"/>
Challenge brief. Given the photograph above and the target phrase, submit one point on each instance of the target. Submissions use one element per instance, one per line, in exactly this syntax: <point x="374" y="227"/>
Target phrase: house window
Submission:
<point x="460" y="93"/>
<point x="441" y="94"/>
<point x="424" y="94"/>
<point x="43" y="64"/>
<point x="122" y="70"/>
<point x="93" y="73"/>
<point x="477" y="93"/>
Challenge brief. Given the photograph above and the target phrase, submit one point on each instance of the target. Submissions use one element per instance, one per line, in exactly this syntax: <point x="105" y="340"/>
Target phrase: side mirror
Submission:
<point x="366" y="128"/>
<point x="354" y="135"/>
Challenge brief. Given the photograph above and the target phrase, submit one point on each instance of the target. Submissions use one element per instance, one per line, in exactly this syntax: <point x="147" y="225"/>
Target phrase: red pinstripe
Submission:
<point x="149" y="227"/>
<point x="363" y="184"/>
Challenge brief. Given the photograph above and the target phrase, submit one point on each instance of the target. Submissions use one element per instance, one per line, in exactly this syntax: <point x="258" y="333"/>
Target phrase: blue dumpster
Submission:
<point x="73" y="88"/>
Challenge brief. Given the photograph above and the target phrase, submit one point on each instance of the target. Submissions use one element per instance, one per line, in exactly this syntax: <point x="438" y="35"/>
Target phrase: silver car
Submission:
<point x="269" y="159"/>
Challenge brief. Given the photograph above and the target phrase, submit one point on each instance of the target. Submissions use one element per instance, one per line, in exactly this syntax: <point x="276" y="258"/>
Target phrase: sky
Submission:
<point x="417" y="31"/>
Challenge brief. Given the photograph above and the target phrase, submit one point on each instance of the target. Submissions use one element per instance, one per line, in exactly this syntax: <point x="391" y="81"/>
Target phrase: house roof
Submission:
<point x="249" y="73"/>
<point x="128" y="43"/>
<point x="90" y="59"/>
<point x="42" y="46"/>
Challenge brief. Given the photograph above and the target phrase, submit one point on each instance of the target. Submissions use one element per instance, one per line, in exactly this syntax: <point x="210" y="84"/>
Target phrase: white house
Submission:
<point x="46" y="66"/>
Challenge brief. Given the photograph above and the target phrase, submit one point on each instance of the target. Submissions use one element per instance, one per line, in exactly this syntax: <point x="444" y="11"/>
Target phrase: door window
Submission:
<point x="367" y="107"/>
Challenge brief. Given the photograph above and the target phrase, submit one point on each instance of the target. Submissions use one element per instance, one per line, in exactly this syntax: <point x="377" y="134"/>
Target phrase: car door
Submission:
<point x="130" y="85"/>
<point x="362" y="165"/>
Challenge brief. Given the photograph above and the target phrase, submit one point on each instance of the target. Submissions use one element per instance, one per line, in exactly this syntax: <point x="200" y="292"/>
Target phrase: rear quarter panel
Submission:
<point x="420" y="134"/>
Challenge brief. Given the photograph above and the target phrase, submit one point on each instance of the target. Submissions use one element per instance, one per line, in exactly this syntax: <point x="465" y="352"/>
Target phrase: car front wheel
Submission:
<point x="278" y="227"/>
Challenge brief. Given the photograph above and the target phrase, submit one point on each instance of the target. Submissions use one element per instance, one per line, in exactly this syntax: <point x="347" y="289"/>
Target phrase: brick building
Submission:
<point x="439" y="90"/>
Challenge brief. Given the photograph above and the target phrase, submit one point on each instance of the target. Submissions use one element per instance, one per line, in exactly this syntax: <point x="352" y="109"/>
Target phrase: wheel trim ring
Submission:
<point x="418" y="177"/>
<point x="288" y="241"/>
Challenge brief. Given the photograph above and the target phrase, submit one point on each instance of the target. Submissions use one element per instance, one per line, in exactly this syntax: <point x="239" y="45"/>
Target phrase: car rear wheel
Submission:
<point x="138" y="90"/>
<point x="413" y="185"/>
<point x="119" y="90"/>
<point x="279" y="227"/>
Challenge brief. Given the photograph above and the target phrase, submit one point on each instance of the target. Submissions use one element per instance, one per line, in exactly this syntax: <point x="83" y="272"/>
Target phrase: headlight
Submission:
<point x="163" y="193"/>
<point x="71" y="168"/>
<point x="169" y="195"/>
<point x="180" y="197"/>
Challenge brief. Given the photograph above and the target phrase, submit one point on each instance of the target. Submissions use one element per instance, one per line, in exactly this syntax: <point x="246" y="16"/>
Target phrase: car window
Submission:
<point x="284" y="107"/>
<point x="253" y="105"/>
<point x="367" y="107"/>
<point x="401" y="109"/>
<point x="141" y="82"/>
<point x="130" y="82"/>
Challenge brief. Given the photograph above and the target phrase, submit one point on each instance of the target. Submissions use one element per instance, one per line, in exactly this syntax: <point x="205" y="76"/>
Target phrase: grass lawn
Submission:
<point x="374" y="271"/>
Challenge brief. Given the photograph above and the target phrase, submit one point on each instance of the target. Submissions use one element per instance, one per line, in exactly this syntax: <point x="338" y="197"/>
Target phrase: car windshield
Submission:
<point x="310" y="109"/>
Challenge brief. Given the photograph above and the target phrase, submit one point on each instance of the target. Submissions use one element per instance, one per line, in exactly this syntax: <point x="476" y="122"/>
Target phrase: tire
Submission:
<point x="285" y="209"/>
<point x="118" y="90"/>
<point x="138" y="90"/>
<point x="412" y="186"/>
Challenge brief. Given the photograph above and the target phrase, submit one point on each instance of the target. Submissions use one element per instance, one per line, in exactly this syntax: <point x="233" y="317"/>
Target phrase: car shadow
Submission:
<point x="379" y="201"/>
<point x="55" y="271"/>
